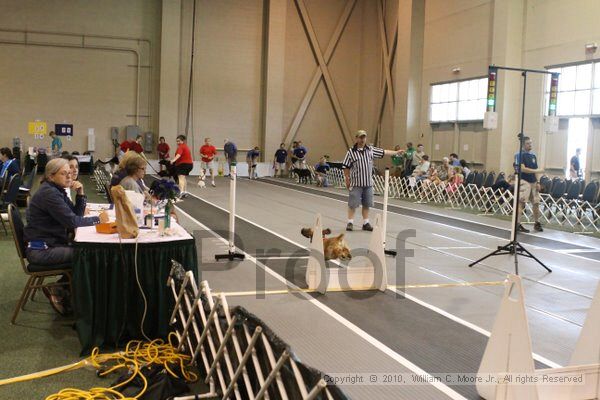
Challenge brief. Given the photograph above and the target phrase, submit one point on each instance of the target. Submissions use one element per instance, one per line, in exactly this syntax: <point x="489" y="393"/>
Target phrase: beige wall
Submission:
<point x="457" y="34"/>
<point x="227" y="71"/>
<point x="98" y="88"/>
<point x="88" y="87"/>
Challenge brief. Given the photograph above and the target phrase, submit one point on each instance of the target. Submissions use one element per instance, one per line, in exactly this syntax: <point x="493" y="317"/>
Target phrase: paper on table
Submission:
<point x="88" y="234"/>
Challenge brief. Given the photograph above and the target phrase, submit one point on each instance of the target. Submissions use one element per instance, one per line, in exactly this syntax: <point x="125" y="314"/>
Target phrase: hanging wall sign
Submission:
<point x="37" y="128"/>
<point x="63" y="129"/>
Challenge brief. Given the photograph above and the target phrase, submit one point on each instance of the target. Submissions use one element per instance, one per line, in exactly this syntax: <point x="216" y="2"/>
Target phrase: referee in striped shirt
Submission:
<point x="358" y="171"/>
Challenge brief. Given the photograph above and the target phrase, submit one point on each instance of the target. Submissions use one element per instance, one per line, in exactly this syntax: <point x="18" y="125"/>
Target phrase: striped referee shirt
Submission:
<point x="360" y="163"/>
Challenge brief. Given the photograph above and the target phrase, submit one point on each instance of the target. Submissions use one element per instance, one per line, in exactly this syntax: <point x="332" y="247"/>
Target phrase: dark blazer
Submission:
<point x="51" y="215"/>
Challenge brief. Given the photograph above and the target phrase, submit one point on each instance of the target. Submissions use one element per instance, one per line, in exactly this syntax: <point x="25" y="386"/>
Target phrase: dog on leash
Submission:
<point x="170" y="170"/>
<point x="334" y="247"/>
<point x="304" y="175"/>
<point x="201" y="179"/>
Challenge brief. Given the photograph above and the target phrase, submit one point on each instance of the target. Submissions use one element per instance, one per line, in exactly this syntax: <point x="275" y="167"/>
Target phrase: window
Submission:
<point x="578" y="90"/>
<point x="458" y="101"/>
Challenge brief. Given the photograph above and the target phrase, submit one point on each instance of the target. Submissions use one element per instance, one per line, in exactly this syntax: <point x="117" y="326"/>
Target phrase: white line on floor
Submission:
<point x="454" y="247"/>
<point x="484" y="234"/>
<point x="282" y="258"/>
<point x="424" y="304"/>
<point x="568" y="251"/>
<point x="434" y="222"/>
<point x="364" y="335"/>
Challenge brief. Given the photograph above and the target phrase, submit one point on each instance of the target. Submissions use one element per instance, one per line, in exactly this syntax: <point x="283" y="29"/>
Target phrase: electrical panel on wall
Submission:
<point x="132" y="131"/>
<point x="148" y="142"/>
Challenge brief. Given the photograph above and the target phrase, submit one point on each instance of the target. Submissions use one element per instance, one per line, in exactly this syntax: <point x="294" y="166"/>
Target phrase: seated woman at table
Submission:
<point x="121" y="170"/>
<point x="74" y="166"/>
<point x="136" y="170"/>
<point x="51" y="218"/>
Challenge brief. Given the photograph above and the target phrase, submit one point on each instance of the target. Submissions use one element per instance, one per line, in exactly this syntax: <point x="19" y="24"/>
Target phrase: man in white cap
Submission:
<point x="358" y="171"/>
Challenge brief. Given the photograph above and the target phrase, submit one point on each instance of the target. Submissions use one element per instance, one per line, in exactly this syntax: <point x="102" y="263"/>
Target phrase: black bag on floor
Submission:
<point x="161" y="385"/>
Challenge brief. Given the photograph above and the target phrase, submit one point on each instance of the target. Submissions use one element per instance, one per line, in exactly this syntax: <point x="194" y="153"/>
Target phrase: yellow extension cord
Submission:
<point x="137" y="354"/>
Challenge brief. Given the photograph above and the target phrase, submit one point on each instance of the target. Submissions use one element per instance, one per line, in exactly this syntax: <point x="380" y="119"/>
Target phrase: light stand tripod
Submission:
<point x="514" y="247"/>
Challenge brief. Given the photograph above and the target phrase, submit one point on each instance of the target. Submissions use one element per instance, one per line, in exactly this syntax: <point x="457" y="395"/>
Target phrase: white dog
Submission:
<point x="201" y="179"/>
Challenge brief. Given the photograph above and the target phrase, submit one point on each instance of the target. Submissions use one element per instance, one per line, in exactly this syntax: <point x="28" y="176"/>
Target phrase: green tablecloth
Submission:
<point x="108" y="303"/>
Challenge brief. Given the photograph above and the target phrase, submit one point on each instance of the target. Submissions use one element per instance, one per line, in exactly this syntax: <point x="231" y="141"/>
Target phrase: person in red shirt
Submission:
<point x="125" y="146"/>
<point x="183" y="162"/>
<point x="137" y="145"/>
<point x="208" y="153"/>
<point x="163" y="150"/>
<point x="133" y="144"/>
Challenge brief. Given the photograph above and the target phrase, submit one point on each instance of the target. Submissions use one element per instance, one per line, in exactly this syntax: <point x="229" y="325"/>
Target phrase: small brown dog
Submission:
<point x="334" y="247"/>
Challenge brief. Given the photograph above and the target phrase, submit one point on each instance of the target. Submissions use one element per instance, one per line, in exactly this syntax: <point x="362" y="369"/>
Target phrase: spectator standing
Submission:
<point x="300" y="155"/>
<point x="230" y="150"/>
<point x="575" y="167"/>
<point x="358" y="173"/>
<point x="163" y="150"/>
<point x="454" y="161"/>
<point x="252" y="160"/>
<point x="528" y="185"/>
<point x="397" y="162"/>
<point x="56" y="145"/>
<point x="416" y="158"/>
<point x="207" y="154"/>
<point x="184" y="163"/>
<point x="408" y="156"/>
<point x="321" y="169"/>
<point x="136" y="145"/>
<point x="280" y="159"/>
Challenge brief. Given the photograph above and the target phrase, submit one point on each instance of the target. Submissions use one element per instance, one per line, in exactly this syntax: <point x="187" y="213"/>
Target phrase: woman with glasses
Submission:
<point x="135" y="169"/>
<point x="51" y="218"/>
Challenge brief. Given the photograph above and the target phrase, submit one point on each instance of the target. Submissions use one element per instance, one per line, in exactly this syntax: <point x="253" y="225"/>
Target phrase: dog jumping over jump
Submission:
<point x="334" y="247"/>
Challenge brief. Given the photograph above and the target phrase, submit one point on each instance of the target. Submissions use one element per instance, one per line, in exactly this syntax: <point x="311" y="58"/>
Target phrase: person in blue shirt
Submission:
<point x="321" y="169"/>
<point x="528" y="186"/>
<point x="230" y="150"/>
<point x="299" y="154"/>
<point x="10" y="166"/>
<point x="252" y="160"/>
<point x="454" y="160"/>
<point x="280" y="159"/>
<point x="56" y="145"/>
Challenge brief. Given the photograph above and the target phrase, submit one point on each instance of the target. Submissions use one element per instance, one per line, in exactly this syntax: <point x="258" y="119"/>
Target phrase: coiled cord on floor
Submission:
<point x="137" y="354"/>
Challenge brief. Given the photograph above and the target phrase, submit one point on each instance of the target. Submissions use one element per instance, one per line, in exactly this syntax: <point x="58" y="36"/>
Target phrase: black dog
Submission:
<point x="169" y="171"/>
<point x="304" y="175"/>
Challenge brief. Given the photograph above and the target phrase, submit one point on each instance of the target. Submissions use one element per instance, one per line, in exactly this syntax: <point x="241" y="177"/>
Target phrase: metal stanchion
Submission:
<point x="386" y="189"/>
<point x="231" y="254"/>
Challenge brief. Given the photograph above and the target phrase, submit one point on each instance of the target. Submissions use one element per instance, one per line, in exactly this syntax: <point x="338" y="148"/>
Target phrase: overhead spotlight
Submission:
<point x="455" y="70"/>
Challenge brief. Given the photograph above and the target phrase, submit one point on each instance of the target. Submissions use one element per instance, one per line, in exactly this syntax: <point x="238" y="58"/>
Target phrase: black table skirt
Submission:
<point x="107" y="299"/>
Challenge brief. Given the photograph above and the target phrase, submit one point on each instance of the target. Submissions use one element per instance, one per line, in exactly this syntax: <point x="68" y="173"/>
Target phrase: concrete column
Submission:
<point x="170" y="43"/>
<point x="409" y="67"/>
<point x="506" y="50"/>
<point x="273" y="76"/>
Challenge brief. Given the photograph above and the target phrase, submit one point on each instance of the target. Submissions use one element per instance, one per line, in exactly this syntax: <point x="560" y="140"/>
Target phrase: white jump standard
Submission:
<point x="370" y="277"/>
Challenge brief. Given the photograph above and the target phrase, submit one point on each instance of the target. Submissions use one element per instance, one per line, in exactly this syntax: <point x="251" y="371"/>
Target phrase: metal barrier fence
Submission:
<point x="573" y="214"/>
<point x="238" y="356"/>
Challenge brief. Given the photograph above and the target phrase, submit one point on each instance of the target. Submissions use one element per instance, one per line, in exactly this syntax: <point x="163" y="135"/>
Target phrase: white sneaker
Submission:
<point x="213" y="184"/>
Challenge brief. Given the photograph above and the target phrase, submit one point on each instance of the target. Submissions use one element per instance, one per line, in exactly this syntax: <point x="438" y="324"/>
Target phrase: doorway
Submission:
<point x="577" y="138"/>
